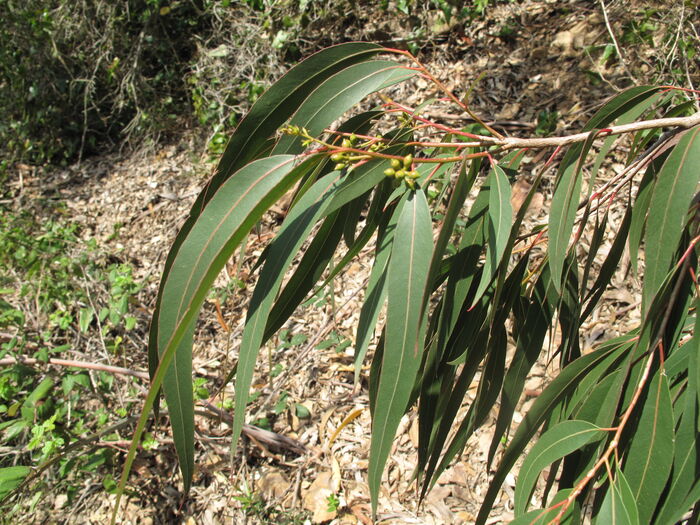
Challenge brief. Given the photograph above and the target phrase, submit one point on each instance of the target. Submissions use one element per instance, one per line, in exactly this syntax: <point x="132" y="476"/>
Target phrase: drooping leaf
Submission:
<point x="487" y="394"/>
<point x="236" y="206"/>
<point x="470" y="341"/>
<point x="554" y="444"/>
<point x="464" y="268"/>
<point x="563" y="210"/>
<point x="375" y="295"/>
<point x="569" y="309"/>
<point x="650" y="455"/>
<point x="375" y="216"/>
<point x="283" y="248"/>
<point x="564" y="202"/>
<point x="312" y="264"/>
<point x="641" y="208"/>
<point x="542" y="408"/>
<point x="608" y="268"/>
<point x="597" y="239"/>
<point x="500" y="215"/>
<point x="528" y="347"/>
<point x="619" y="506"/>
<point x="337" y="94"/>
<point x="233" y="210"/>
<point x="673" y="193"/>
<point x="460" y="192"/>
<point x="406" y="289"/>
<point x="269" y="112"/>
<point x="684" y="474"/>
<point x="431" y="378"/>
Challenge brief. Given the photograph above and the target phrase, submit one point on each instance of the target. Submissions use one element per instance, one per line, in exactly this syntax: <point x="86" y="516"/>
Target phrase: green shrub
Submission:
<point x="78" y="76"/>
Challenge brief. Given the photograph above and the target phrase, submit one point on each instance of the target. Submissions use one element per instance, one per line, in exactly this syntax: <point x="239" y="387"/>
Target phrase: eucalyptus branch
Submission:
<point x="507" y="143"/>
<point x="656" y="344"/>
<point x="514" y="142"/>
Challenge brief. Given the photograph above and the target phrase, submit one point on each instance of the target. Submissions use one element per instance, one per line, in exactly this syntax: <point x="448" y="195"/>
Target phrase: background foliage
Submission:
<point x="79" y="77"/>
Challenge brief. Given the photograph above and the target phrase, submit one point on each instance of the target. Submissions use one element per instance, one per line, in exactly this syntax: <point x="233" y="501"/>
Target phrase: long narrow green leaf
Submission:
<point x="432" y="378"/>
<point x="563" y="211"/>
<point x="312" y="264"/>
<point x="372" y="223"/>
<point x="338" y="93"/>
<point x="564" y="203"/>
<point x="500" y="215"/>
<point x="490" y="384"/>
<point x="233" y="210"/>
<point x="487" y="394"/>
<point x="406" y="282"/>
<point x="609" y="267"/>
<point x="209" y="244"/>
<point x="673" y="193"/>
<point x="562" y="385"/>
<point x="528" y="347"/>
<point x="464" y="268"/>
<point x="375" y="295"/>
<point x="650" y="455"/>
<point x="684" y="474"/>
<point x="460" y="192"/>
<point x="641" y="208"/>
<point x="619" y="506"/>
<point x="283" y="249"/>
<point x="554" y="444"/>
<point x="449" y="399"/>
<point x="269" y="112"/>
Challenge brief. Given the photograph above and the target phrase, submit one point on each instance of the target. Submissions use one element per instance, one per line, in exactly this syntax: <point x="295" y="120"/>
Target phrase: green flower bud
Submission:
<point x="337" y="157"/>
<point x="400" y="174"/>
<point x="389" y="172"/>
<point x="413" y="174"/>
<point x="407" y="161"/>
<point x="395" y="163"/>
<point x="339" y="166"/>
<point x="353" y="137"/>
<point x="347" y="143"/>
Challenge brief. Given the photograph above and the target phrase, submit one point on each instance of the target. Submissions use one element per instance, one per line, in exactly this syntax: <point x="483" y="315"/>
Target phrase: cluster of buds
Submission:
<point x="376" y="146"/>
<point x="342" y="159"/>
<point x="401" y="169"/>
<point x="293" y="129"/>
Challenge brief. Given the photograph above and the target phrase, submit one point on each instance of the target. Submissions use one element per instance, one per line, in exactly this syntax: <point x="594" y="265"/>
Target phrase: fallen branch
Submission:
<point x="261" y="435"/>
<point x="30" y="361"/>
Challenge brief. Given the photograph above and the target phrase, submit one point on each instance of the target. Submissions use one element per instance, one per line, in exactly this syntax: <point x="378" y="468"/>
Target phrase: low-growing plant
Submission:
<point x="52" y="287"/>
<point x="618" y="423"/>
